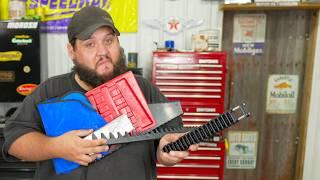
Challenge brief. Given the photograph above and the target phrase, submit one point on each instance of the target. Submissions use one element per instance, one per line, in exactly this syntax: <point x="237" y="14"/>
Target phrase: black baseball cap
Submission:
<point x="87" y="20"/>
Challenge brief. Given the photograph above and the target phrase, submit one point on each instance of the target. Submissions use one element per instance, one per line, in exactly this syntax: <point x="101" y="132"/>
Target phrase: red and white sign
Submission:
<point x="26" y="89"/>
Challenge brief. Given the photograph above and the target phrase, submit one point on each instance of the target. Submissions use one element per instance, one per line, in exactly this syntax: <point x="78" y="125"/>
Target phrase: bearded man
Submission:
<point x="98" y="57"/>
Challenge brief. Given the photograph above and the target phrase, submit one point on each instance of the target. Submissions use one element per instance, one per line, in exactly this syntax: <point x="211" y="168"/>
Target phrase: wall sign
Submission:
<point x="282" y="94"/>
<point x="7" y="76"/>
<point x="242" y="152"/>
<point x="249" y="34"/>
<point x="173" y="25"/>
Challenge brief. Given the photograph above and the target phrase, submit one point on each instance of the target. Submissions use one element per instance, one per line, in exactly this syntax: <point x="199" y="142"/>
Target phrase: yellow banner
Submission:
<point x="123" y="12"/>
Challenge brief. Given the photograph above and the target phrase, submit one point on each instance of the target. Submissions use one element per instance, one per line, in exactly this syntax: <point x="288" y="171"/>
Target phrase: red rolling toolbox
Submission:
<point x="197" y="80"/>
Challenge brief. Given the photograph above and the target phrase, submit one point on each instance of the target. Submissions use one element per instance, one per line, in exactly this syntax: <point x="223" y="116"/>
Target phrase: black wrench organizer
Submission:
<point x="207" y="130"/>
<point x="193" y="135"/>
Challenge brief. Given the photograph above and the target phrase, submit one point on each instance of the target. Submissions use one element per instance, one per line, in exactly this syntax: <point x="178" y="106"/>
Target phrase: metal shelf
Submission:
<point x="271" y="6"/>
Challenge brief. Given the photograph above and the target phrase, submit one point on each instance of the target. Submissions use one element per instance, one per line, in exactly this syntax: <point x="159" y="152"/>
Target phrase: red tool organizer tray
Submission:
<point x="122" y="95"/>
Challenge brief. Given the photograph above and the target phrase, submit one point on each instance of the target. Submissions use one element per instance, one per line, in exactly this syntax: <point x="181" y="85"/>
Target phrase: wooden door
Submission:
<point x="286" y="52"/>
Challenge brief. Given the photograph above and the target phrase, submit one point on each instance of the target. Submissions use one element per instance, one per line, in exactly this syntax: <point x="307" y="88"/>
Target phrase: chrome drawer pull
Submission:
<point x="190" y="72"/>
<point x="203" y="158"/>
<point x="189" y="78"/>
<point x="171" y="66"/>
<point x="179" y="66"/>
<point x="190" y="166"/>
<point x="208" y="61"/>
<point x="188" y="84"/>
<point x="200" y="65"/>
<point x="186" y="177"/>
<point x="190" y="90"/>
<point x="192" y="96"/>
<point x="192" y="125"/>
<point x="208" y="149"/>
<point x="195" y="120"/>
<point x="210" y="65"/>
<point x="200" y="114"/>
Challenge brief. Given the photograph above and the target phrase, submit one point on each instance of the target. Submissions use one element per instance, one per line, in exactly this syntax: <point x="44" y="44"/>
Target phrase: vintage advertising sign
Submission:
<point x="7" y="76"/>
<point x="55" y="14"/>
<point x="242" y="152"/>
<point x="26" y="89"/>
<point x="282" y="93"/>
<point x="249" y="34"/>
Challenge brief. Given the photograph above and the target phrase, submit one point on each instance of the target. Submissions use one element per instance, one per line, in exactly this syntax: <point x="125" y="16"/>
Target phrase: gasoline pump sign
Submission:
<point x="19" y="59"/>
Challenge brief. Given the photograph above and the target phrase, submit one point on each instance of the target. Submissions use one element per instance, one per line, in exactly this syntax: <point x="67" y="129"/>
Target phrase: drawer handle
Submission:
<point x="191" y="166"/>
<point x="208" y="149"/>
<point x="189" y="78"/>
<point x="188" y="84"/>
<point x="182" y="66"/>
<point x="190" y="72"/>
<point x="195" y="120"/>
<point x="203" y="158"/>
<point x="192" y="125"/>
<point x="186" y="177"/>
<point x="200" y="114"/>
<point x="211" y="65"/>
<point x="171" y="66"/>
<point x="190" y="90"/>
<point x="209" y="61"/>
<point x="192" y="96"/>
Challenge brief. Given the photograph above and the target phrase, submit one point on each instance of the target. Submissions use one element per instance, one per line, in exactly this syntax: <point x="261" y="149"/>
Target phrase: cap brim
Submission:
<point x="84" y="35"/>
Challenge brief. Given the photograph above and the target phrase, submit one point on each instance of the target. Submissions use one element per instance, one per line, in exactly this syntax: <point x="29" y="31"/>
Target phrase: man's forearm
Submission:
<point x="33" y="146"/>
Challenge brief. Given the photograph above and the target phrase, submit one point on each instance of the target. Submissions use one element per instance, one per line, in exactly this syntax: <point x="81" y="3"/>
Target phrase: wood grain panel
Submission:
<point x="306" y="99"/>
<point x="286" y="47"/>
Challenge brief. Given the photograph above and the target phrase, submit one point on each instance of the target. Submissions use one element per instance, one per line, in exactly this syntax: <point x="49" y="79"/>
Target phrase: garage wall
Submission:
<point x="143" y="41"/>
<point x="55" y="60"/>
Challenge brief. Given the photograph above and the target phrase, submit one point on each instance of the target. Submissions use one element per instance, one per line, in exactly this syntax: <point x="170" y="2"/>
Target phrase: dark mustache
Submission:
<point x="104" y="57"/>
<point x="119" y="65"/>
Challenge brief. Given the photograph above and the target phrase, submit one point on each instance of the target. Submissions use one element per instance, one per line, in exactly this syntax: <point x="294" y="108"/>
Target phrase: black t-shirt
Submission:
<point x="134" y="161"/>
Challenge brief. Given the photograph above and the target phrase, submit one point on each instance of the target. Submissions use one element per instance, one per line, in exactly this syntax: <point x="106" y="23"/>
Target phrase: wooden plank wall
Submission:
<point x="286" y="47"/>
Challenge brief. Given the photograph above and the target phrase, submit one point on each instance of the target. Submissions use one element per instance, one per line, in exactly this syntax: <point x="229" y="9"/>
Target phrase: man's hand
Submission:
<point x="172" y="157"/>
<point x="35" y="146"/>
<point x="72" y="147"/>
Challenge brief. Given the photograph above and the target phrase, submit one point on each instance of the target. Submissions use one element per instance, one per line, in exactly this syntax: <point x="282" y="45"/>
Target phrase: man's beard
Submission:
<point x="91" y="77"/>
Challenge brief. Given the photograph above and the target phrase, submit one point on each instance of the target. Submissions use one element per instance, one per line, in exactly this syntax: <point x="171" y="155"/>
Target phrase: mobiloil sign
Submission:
<point x="19" y="59"/>
<point x="282" y="93"/>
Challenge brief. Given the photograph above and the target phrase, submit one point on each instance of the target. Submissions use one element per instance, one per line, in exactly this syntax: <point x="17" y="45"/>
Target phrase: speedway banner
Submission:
<point x="55" y="14"/>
